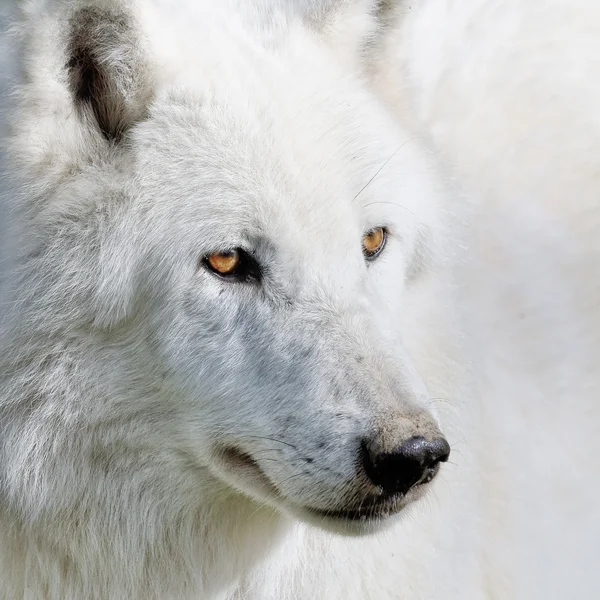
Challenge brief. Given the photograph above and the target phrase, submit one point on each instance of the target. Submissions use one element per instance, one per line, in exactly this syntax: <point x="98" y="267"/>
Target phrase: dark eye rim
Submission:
<point x="372" y="256"/>
<point x="247" y="270"/>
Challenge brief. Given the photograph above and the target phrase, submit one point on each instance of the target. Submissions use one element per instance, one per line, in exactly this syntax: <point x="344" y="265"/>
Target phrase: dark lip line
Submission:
<point x="367" y="513"/>
<point x="374" y="510"/>
<point x="345" y="516"/>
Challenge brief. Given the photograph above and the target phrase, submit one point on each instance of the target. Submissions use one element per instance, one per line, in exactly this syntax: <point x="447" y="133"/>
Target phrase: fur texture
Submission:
<point x="166" y="433"/>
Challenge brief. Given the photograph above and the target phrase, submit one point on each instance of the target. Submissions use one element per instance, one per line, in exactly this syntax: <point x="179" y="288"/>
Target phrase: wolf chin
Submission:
<point x="233" y="359"/>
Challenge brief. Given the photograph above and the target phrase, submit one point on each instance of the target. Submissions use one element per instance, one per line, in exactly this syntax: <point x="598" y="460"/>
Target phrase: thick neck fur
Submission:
<point x="60" y="539"/>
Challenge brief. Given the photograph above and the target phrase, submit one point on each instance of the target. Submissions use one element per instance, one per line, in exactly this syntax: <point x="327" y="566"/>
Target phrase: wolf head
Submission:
<point x="223" y="270"/>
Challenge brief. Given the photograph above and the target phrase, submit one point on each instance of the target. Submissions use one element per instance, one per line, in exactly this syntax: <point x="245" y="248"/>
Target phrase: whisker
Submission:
<point x="275" y="493"/>
<point x="446" y="401"/>
<point x="458" y="452"/>
<point x="258" y="437"/>
<point x="263" y="450"/>
<point x="462" y="440"/>
<point x="290" y="477"/>
<point x="392" y="204"/>
<point x="382" y="167"/>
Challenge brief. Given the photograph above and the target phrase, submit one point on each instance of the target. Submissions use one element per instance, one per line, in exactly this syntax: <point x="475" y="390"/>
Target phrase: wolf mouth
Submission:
<point x="381" y="506"/>
<point x="243" y="466"/>
<point x="373" y="508"/>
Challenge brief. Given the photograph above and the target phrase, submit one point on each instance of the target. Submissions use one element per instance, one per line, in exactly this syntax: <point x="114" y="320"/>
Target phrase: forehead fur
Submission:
<point x="250" y="114"/>
<point x="264" y="149"/>
<point x="211" y="59"/>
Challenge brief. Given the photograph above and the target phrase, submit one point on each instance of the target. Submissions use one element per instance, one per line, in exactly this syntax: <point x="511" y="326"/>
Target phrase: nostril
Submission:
<point x="439" y="450"/>
<point x="413" y="462"/>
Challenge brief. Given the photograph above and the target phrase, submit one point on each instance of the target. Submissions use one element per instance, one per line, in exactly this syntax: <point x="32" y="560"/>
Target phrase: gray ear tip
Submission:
<point x="106" y="67"/>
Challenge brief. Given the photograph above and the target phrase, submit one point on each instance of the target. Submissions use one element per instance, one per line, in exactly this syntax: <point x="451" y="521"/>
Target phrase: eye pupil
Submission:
<point x="373" y="242"/>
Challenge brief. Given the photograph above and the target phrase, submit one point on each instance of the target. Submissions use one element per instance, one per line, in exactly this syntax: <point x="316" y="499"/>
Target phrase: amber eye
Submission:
<point x="373" y="242"/>
<point x="224" y="263"/>
<point x="235" y="264"/>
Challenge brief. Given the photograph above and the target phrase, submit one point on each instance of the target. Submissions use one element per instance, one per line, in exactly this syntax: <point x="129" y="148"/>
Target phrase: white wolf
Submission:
<point x="239" y="319"/>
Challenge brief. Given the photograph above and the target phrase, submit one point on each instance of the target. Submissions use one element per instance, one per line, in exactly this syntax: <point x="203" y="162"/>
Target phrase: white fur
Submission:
<point x="126" y="366"/>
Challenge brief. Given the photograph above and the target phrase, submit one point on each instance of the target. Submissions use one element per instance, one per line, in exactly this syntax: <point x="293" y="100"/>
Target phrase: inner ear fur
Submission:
<point x="108" y="71"/>
<point x="356" y="29"/>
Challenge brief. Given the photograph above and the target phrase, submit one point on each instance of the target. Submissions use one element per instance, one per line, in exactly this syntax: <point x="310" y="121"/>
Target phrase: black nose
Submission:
<point x="414" y="462"/>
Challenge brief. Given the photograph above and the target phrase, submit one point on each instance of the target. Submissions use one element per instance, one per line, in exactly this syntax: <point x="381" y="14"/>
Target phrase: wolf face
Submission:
<point x="291" y="363"/>
<point x="233" y="229"/>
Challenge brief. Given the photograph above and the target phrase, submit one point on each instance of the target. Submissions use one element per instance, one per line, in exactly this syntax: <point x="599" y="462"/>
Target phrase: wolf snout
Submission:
<point x="413" y="462"/>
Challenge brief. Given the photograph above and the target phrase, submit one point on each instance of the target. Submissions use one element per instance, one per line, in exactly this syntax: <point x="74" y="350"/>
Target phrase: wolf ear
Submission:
<point x="346" y="25"/>
<point x="108" y="74"/>
<point x="353" y="28"/>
